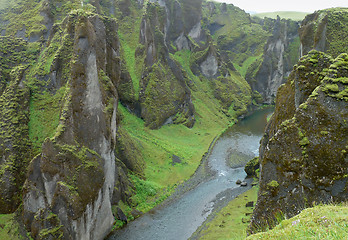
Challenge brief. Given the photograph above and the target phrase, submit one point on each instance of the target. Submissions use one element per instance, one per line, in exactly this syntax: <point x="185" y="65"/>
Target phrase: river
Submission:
<point x="181" y="218"/>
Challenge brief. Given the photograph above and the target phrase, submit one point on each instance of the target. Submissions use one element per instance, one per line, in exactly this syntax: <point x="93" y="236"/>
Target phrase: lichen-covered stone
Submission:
<point x="251" y="167"/>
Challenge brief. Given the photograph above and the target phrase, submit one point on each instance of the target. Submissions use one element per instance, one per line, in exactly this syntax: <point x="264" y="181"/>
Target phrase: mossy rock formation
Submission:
<point x="326" y="31"/>
<point x="303" y="154"/>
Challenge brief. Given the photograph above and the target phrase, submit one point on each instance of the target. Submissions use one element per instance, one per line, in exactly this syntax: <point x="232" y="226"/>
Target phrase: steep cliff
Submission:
<point x="303" y="154"/>
<point x="262" y="50"/>
<point x="70" y="185"/>
<point x="325" y="31"/>
<point x="281" y="52"/>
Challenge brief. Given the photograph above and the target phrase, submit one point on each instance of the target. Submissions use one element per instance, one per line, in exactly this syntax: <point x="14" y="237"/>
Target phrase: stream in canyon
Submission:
<point x="179" y="219"/>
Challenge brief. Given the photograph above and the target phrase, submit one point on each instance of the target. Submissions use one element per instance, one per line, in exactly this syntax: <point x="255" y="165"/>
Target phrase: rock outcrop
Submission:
<point x="70" y="185"/>
<point x="163" y="91"/>
<point x="303" y="154"/>
<point x="281" y="52"/>
<point x="326" y="31"/>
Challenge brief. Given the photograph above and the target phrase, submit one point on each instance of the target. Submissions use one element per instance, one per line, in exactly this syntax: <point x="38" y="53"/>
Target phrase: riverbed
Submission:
<point x="179" y="219"/>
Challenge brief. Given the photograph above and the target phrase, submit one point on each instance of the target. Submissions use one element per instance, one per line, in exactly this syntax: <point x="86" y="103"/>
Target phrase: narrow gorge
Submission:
<point x="109" y="106"/>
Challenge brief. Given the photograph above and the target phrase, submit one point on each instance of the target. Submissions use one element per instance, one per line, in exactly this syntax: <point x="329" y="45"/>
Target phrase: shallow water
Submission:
<point x="179" y="220"/>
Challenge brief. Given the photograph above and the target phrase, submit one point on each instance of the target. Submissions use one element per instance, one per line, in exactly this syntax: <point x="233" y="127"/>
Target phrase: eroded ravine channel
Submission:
<point x="180" y="219"/>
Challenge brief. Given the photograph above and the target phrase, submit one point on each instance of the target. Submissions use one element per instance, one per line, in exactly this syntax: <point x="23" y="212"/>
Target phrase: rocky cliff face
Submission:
<point x="281" y="52"/>
<point x="70" y="185"/>
<point x="303" y="153"/>
<point x="325" y="31"/>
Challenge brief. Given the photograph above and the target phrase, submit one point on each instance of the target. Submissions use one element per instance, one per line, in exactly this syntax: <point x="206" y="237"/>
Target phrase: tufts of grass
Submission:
<point x="319" y="222"/>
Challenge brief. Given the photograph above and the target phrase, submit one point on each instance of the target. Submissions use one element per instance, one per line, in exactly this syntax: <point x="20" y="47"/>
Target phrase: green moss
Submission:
<point x="52" y="232"/>
<point x="14" y="142"/>
<point x="335" y="84"/>
<point x="303" y="106"/>
<point x="337" y="28"/>
<point x="251" y="167"/>
<point x="58" y="50"/>
<point x="15" y="52"/>
<point x="273" y="184"/>
<point x="25" y="16"/>
<point x="304" y="141"/>
<point x="331" y="88"/>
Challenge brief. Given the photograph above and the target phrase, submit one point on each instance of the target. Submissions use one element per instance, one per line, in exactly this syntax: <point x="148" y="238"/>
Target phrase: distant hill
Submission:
<point x="297" y="16"/>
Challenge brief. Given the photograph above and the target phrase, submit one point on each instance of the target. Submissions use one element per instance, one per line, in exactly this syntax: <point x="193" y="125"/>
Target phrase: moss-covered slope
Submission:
<point x="304" y="151"/>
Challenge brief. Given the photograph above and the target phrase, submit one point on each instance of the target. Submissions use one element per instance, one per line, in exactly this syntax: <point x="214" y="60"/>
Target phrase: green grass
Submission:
<point x="183" y="57"/>
<point x="8" y="227"/>
<point x="44" y="116"/>
<point x="297" y="16"/>
<point x="131" y="63"/>
<point x="320" y="222"/>
<point x="246" y="64"/>
<point x="128" y="32"/>
<point x="228" y="223"/>
<point x="158" y="146"/>
<point x="190" y="144"/>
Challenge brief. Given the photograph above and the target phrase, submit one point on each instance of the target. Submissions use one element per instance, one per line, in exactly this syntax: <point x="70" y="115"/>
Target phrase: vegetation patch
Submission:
<point x="44" y="116"/>
<point x="9" y="228"/>
<point x="232" y="221"/>
<point x="24" y="17"/>
<point x="320" y="222"/>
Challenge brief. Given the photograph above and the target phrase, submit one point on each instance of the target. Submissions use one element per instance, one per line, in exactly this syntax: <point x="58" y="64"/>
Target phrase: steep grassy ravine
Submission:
<point x="129" y="92"/>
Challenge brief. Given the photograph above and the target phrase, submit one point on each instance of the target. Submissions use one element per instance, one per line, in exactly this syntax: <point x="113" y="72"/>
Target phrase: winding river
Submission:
<point x="181" y="218"/>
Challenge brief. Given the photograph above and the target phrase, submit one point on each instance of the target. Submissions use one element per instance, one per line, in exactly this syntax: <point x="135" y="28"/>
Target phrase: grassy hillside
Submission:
<point x="320" y="222"/>
<point x="297" y="16"/>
